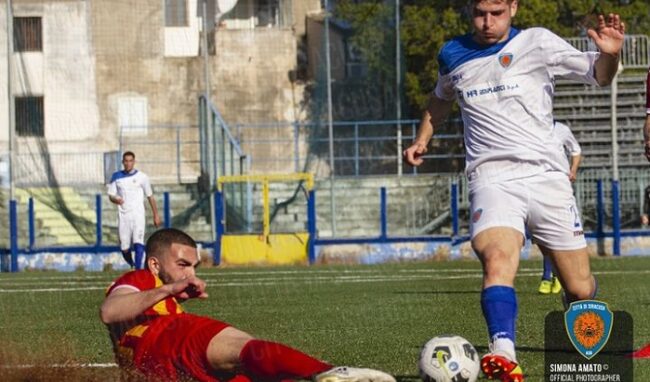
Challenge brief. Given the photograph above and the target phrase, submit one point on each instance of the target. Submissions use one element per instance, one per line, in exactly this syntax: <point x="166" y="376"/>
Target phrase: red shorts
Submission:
<point x="174" y="348"/>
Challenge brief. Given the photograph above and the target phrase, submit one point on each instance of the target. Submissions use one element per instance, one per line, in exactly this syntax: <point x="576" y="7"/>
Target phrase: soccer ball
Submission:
<point x="448" y="358"/>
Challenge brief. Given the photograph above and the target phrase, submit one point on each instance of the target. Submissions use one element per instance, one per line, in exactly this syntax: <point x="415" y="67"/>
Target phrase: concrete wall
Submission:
<point x="63" y="73"/>
<point x="100" y="55"/>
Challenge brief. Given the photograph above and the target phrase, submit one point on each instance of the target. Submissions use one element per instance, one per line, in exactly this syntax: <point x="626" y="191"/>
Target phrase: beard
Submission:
<point x="164" y="277"/>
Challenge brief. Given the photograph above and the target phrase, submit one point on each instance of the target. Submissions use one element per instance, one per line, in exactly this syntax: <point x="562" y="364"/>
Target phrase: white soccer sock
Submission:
<point x="503" y="346"/>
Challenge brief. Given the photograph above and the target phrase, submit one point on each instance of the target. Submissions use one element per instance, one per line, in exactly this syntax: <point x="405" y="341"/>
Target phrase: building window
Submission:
<point x="29" y="116"/>
<point x="259" y="13"/>
<point x="28" y="34"/>
<point x="176" y="13"/>
<point x="132" y="115"/>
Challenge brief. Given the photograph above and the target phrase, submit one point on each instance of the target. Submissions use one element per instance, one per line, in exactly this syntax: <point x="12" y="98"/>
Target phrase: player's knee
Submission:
<point x="224" y="349"/>
<point x="498" y="265"/>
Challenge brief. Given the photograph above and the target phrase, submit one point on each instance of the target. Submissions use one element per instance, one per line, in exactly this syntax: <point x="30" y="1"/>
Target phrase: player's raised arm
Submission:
<point x="608" y="37"/>
<point x="435" y="113"/>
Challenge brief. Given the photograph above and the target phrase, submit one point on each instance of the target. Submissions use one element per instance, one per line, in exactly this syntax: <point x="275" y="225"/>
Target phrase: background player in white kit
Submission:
<point x="550" y="283"/>
<point x="503" y="80"/>
<point x="127" y="189"/>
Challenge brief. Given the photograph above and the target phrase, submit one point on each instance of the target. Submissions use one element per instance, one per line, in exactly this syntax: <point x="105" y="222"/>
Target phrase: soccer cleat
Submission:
<point x="545" y="287"/>
<point x="557" y="286"/>
<point x="353" y="374"/>
<point x="501" y="368"/>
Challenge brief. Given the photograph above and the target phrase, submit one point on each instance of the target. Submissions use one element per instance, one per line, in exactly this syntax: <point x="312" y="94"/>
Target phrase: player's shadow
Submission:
<point x="407" y="378"/>
<point x="483" y="349"/>
<point x="438" y="292"/>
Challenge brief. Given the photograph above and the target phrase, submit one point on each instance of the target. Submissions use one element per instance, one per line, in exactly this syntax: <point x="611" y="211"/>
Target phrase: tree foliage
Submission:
<point x="426" y="24"/>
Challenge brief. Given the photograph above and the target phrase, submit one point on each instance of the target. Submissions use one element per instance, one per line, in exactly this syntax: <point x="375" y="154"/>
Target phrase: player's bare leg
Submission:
<point x="573" y="270"/>
<point x="224" y="349"/>
<point x="499" y="249"/>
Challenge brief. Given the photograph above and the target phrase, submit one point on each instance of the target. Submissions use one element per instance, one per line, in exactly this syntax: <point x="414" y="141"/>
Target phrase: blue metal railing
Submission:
<point x="361" y="147"/>
<point x="383" y="236"/>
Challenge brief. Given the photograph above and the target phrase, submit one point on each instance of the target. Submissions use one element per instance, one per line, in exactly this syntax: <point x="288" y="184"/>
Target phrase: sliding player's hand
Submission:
<point x="190" y="287"/>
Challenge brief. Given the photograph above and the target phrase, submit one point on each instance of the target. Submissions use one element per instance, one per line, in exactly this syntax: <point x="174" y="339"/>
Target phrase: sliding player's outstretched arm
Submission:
<point x="125" y="304"/>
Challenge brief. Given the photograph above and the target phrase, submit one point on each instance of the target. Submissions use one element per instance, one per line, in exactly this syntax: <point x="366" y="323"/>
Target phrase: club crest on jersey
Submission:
<point x="477" y="215"/>
<point x="588" y="324"/>
<point x="505" y="59"/>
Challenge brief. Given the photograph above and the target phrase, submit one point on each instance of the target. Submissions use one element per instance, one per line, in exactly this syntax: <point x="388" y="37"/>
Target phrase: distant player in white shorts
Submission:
<point x="503" y="80"/>
<point x="573" y="152"/>
<point x="127" y="189"/>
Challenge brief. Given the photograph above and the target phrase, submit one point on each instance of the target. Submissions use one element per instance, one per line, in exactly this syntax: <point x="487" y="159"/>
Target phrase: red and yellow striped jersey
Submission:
<point x="142" y="280"/>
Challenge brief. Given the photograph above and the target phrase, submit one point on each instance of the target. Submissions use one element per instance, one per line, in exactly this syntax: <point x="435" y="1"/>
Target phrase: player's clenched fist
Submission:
<point x="413" y="154"/>
<point x="190" y="287"/>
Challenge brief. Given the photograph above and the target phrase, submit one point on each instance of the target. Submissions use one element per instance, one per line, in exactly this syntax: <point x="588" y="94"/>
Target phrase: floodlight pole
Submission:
<point x="330" y="126"/>
<point x="398" y="86"/>
<point x="10" y="99"/>
<point x="614" y="122"/>
<point x="209" y="125"/>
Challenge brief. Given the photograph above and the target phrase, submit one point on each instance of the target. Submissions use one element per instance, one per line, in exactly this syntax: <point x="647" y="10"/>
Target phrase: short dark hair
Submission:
<point x="161" y="240"/>
<point x="128" y="154"/>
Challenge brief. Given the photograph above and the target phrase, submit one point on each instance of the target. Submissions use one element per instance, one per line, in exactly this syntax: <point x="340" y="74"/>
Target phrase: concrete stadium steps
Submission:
<point x="50" y="208"/>
<point x="185" y="212"/>
<point x="586" y="109"/>
<point x="412" y="202"/>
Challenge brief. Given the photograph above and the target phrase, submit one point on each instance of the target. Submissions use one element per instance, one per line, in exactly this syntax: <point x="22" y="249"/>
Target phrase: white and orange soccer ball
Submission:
<point x="448" y="358"/>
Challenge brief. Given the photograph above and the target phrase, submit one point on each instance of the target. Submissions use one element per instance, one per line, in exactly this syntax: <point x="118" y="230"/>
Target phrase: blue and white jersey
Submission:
<point x="567" y="139"/>
<point x="505" y="92"/>
<point x="132" y="188"/>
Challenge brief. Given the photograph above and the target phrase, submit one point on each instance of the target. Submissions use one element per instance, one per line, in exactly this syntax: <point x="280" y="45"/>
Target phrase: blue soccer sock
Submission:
<point x="548" y="269"/>
<point x="139" y="255"/>
<point x="499" y="304"/>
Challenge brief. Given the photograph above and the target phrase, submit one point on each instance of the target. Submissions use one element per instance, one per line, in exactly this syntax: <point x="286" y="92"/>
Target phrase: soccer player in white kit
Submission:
<point x="573" y="152"/>
<point x="503" y="79"/>
<point x="127" y="189"/>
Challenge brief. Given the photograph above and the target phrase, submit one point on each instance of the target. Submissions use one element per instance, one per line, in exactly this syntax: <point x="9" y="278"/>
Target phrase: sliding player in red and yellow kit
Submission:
<point x="153" y="336"/>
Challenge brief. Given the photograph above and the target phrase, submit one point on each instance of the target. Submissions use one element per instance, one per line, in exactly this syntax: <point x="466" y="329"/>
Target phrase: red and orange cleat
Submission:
<point x="501" y="368"/>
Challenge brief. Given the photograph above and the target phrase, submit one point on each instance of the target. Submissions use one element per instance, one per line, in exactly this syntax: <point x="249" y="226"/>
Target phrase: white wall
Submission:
<point x="184" y="41"/>
<point x="63" y="73"/>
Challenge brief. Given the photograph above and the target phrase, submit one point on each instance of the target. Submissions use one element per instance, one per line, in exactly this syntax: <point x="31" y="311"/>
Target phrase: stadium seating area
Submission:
<point x="587" y="110"/>
<point x="415" y="205"/>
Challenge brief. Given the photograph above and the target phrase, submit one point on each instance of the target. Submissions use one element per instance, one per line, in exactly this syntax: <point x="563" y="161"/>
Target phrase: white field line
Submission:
<point x="15" y="278"/>
<point x="216" y="281"/>
<point x="64" y="366"/>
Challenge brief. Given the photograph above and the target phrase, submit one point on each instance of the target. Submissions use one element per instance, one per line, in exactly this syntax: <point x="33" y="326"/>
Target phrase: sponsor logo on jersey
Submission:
<point x="477" y="215"/>
<point x="505" y="59"/>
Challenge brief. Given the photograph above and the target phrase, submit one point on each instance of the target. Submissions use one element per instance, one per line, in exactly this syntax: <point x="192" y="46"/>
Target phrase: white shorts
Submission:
<point x="131" y="230"/>
<point x="544" y="204"/>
